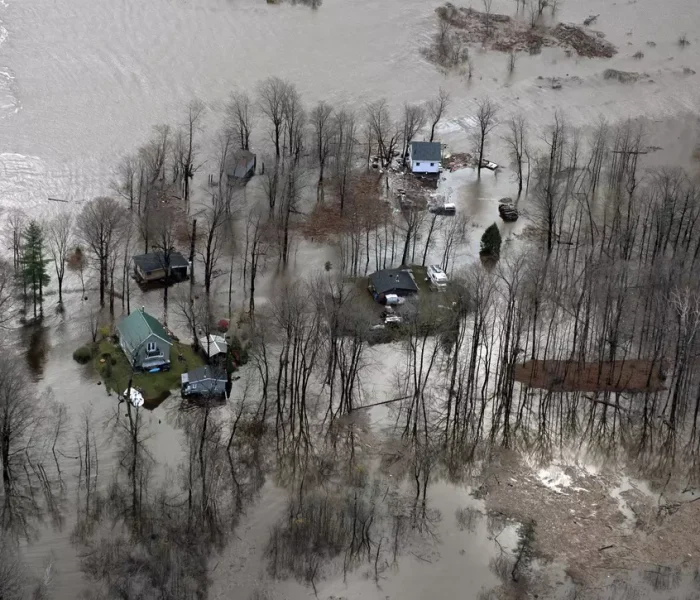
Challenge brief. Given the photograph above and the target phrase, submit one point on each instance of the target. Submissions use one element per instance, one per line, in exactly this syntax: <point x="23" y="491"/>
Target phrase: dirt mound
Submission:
<point x="506" y="34"/>
<point x="572" y="376"/>
<point x="585" y="44"/>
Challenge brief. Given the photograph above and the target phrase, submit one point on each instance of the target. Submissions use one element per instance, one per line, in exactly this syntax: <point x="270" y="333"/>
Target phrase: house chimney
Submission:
<point x="143" y="309"/>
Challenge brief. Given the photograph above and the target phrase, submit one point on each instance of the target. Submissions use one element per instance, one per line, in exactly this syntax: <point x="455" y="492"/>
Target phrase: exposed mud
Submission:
<point x="571" y="376"/>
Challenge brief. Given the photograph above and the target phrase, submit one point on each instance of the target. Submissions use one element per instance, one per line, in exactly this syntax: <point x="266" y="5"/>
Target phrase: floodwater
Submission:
<point x="83" y="81"/>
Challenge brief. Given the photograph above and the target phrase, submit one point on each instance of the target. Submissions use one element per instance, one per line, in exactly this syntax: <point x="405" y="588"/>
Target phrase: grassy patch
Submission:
<point x="115" y="371"/>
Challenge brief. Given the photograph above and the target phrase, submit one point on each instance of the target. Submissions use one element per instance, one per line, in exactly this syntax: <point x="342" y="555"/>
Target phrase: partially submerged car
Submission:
<point x="437" y="277"/>
<point x="487" y="164"/>
<point x="443" y="209"/>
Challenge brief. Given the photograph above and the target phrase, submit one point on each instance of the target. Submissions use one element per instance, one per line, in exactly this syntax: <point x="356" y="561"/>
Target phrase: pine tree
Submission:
<point x="491" y="242"/>
<point x="34" y="271"/>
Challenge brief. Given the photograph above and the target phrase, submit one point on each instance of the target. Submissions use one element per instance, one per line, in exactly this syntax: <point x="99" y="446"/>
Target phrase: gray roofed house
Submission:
<point x="241" y="165"/>
<point x="151" y="267"/>
<point x="204" y="381"/>
<point x="392" y="281"/>
<point x="144" y="341"/>
<point x="425" y="157"/>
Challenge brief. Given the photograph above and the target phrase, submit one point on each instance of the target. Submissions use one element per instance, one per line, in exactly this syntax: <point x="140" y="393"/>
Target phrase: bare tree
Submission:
<point x="59" y="238"/>
<point x="154" y="155"/>
<point x="437" y="107"/>
<point x="214" y="221"/>
<point x="127" y="182"/>
<point x="345" y="144"/>
<point x="165" y="225"/>
<point x="241" y="115"/>
<point x="98" y="227"/>
<point x="487" y="16"/>
<point x="197" y="313"/>
<point x="322" y="123"/>
<point x="516" y="139"/>
<point x="294" y="121"/>
<point x="186" y="148"/>
<point x="272" y="93"/>
<point x="384" y="129"/>
<point x="549" y="199"/>
<point x="257" y="246"/>
<point x="8" y="292"/>
<point x="485" y="122"/>
<point x="414" y="119"/>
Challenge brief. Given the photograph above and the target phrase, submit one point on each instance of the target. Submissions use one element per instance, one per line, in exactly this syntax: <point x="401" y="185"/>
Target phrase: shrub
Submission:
<point x="82" y="355"/>
<point x="491" y="242"/>
<point x="104" y="331"/>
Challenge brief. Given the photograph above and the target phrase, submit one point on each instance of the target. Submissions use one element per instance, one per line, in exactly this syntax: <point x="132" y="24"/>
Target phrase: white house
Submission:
<point x="425" y="157"/>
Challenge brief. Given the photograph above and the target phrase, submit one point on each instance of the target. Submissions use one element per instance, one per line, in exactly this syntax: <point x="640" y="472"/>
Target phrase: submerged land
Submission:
<point x="528" y="429"/>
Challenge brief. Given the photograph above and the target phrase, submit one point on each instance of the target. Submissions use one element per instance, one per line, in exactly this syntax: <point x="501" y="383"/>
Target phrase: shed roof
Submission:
<point x="216" y="344"/>
<point x="137" y="327"/>
<point x="430" y="151"/>
<point x="205" y="373"/>
<point x="240" y="164"/>
<point x="390" y="280"/>
<point x="156" y="260"/>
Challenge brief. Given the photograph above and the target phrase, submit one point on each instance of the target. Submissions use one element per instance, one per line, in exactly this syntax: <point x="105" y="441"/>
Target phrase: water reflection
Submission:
<point x="35" y="338"/>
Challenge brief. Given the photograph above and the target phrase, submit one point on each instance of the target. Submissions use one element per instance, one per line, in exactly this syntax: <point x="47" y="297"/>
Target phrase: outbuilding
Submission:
<point x="153" y="266"/>
<point x="204" y="382"/>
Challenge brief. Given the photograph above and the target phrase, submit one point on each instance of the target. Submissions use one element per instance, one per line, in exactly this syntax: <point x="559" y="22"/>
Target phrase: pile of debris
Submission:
<point x="502" y="33"/>
<point x="507" y="210"/>
<point x="459" y="160"/>
<point x="585" y="44"/>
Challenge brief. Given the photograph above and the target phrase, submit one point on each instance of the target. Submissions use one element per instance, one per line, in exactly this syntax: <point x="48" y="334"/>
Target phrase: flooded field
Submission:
<point x="407" y="499"/>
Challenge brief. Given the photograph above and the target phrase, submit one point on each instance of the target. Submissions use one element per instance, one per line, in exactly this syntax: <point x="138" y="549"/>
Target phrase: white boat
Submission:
<point x="134" y="396"/>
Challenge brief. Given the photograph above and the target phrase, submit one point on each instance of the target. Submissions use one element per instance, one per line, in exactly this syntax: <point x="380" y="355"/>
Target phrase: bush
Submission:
<point x="83" y="355"/>
<point x="104" y="331"/>
<point x="491" y="242"/>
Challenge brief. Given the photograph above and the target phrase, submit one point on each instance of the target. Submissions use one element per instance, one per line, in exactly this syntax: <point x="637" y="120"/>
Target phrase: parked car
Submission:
<point x="487" y="164"/>
<point x="437" y="277"/>
<point x="443" y="209"/>
<point x="393" y="299"/>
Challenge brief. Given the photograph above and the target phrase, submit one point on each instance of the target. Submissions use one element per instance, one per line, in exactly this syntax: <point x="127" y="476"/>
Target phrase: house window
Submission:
<point x="418" y="164"/>
<point x="432" y="164"/>
<point x="151" y="348"/>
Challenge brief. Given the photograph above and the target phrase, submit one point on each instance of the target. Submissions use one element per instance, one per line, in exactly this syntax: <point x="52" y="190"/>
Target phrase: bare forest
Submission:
<point x="583" y="335"/>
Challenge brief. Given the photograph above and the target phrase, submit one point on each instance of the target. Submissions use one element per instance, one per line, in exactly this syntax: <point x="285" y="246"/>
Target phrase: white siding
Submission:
<point x="422" y="166"/>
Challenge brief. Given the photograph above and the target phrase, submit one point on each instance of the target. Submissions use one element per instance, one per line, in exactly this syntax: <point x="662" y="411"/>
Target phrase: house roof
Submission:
<point x="430" y="151"/>
<point x="390" y="280"/>
<point x="205" y="373"/>
<point x="215" y="345"/>
<point x="240" y="164"/>
<point x="137" y="327"/>
<point x="156" y="260"/>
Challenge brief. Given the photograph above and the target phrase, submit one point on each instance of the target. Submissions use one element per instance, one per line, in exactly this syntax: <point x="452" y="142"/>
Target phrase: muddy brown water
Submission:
<point x="82" y="82"/>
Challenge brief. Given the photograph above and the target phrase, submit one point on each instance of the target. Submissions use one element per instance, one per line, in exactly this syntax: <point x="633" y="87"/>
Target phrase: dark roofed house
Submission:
<point x="425" y="157"/>
<point x="144" y="341"/>
<point x="240" y="166"/>
<point x="392" y="281"/>
<point x="151" y="267"/>
<point x="204" y="382"/>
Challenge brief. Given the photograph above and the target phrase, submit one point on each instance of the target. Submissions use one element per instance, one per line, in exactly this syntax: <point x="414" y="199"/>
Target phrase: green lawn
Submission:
<point x="115" y="371"/>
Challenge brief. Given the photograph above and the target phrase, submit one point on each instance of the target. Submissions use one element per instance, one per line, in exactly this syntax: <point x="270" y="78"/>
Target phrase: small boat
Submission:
<point x="134" y="397"/>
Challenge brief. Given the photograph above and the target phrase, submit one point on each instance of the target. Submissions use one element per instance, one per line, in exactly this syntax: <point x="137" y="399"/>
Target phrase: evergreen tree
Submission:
<point x="491" y="242"/>
<point x="34" y="271"/>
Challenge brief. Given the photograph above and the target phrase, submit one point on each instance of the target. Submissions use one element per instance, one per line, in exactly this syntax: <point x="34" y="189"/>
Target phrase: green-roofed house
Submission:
<point x="144" y="341"/>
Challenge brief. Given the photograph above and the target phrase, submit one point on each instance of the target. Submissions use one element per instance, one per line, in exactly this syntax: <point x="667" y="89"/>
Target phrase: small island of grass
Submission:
<point x="111" y="364"/>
